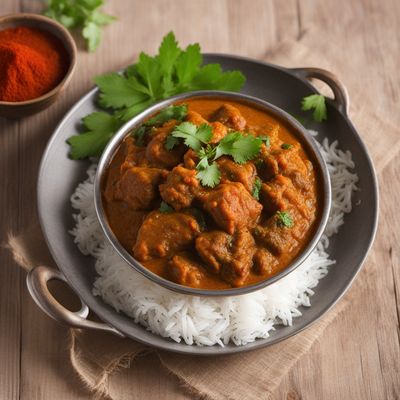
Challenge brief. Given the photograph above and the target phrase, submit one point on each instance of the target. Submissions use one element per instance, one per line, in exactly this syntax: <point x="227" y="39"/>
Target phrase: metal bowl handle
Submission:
<point x="37" y="280"/>
<point x="341" y="99"/>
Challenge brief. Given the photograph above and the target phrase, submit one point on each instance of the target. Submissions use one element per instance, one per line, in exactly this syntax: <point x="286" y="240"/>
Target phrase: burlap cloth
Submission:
<point x="96" y="356"/>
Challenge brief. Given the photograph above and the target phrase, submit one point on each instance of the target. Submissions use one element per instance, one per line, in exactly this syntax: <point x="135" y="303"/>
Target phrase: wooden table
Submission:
<point x="359" y="355"/>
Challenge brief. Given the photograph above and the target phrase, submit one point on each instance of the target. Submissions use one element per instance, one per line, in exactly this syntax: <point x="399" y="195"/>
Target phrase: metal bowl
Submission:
<point x="296" y="128"/>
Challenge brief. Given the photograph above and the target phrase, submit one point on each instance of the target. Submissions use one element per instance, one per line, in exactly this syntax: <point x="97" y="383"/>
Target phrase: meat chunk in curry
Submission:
<point x="165" y="234"/>
<point x="230" y="116"/>
<point x="181" y="188"/>
<point x="228" y="255"/>
<point x="184" y="270"/>
<point x="247" y="222"/>
<point x="138" y="187"/>
<point x="233" y="172"/>
<point x="156" y="152"/>
<point x="232" y="207"/>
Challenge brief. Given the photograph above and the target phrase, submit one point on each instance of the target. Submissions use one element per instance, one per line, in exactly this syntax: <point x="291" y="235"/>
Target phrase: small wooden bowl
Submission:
<point x="23" y="108"/>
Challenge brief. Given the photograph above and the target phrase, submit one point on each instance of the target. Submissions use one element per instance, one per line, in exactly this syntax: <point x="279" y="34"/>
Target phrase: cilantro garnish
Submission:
<point x="151" y="79"/>
<point x="284" y="219"/>
<point x="266" y="140"/>
<point x="99" y="127"/>
<point x="192" y="135"/>
<point x="315" y="102"/>
<point x="256" y="188"/>
<point x="80" y="14"/>
<point x="171" y="142"/>
<point x="286" y="146"/>
<point x="241" y="148"/>
<point x="165" y="207"/>
<point x="208" y="174"/>
<point x="171" y="112"/>
<point x="139" y="135"/>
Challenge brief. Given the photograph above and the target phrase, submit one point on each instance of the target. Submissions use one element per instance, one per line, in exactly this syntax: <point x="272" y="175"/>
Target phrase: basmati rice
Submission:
<point x="208" y="321"/>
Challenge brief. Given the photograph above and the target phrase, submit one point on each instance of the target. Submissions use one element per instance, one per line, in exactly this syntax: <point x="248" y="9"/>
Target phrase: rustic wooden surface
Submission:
<point x="358" y="356"/>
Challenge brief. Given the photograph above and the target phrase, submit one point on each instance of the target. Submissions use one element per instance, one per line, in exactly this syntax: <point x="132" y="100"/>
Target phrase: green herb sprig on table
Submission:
<point x="240" y="147"/>
<point x="151" y="79"/>
<point x="82" y="14"/>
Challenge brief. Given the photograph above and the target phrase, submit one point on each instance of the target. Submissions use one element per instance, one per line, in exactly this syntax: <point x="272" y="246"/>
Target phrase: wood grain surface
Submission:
<point x="358" y="356"/>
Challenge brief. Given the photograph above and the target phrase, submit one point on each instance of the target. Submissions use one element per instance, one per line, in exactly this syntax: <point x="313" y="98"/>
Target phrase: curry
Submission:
<point x="190" y="209"/>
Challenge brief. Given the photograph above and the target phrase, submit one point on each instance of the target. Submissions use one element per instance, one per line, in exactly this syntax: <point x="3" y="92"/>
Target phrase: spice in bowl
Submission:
<point x="32" y="63"/>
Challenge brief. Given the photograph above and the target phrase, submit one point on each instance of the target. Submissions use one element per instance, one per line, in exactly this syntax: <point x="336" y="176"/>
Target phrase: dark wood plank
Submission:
<point x="10" y="276"/>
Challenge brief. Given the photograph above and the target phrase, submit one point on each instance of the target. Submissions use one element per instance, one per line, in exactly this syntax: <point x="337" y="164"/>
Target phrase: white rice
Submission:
<point x="208" y="321"/>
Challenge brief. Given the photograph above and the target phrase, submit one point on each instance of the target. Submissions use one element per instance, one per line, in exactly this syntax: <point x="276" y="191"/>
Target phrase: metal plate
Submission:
<point x="282" y="87"/>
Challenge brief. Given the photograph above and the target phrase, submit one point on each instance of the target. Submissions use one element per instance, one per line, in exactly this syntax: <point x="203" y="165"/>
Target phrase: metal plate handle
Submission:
<point x="37" y="280"/>
<point x="341" y="99"/>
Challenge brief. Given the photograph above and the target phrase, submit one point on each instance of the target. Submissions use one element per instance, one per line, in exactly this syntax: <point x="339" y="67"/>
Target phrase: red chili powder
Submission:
<point x="32" y="62"/>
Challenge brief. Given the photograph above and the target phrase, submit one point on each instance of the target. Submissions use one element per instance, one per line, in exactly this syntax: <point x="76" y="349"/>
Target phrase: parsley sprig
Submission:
<point x="240" y="147"/>
<point x="82" y="14"/>
<point x="317" y="103"/>
<point x="173" y="70"/>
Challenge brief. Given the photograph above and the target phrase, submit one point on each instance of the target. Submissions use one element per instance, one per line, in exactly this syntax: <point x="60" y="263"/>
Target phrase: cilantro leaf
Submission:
<point x="266" y="140"/>
<point x="92" y="33"/>
<point x="125" y="114"/>
<point x="286" y="146"/>
<point x="241" y="148"/>
<point x="231" y="81"/>
<point x="168" y="53"/>
<point x="212" y="74"/>
<point x="207" y="152"/>
<point x="317" y="103"/>
<point x="149" y="70"/>
<point x="139" y="135"/>
<point x="171" y="142"/>
<point x="256" y="188"/>
<point x="102" y="19"/>
<point x="171" y="112"/>
<point x="284" y="219"/>
<point x="204" y="133"/>
<point x="100" y="129"/>
<point x="208" y="175"/>
<point x="116" y="91"/>
<point x="165" y="207"/>
<point x="80" y="14"/>
<point x="188" y="64"/>
<point x="193" y="136"/>
<point x="150" y="79"/>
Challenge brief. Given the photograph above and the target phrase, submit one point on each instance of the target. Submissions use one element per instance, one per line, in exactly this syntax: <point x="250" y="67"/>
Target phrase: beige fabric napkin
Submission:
<point x="96" y="356"/>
